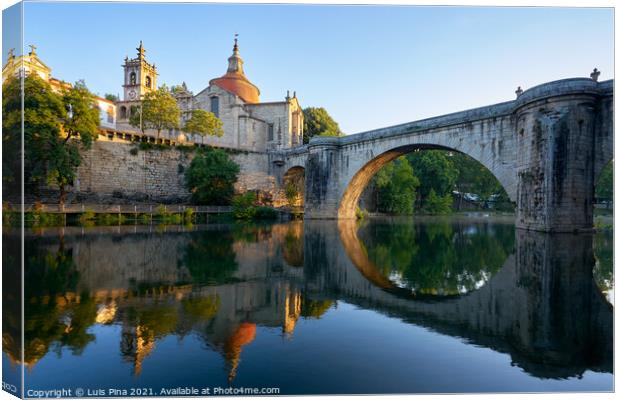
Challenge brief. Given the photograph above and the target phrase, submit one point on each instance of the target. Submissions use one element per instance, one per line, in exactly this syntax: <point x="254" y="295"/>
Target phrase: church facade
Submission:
<point x="248" y="123"/>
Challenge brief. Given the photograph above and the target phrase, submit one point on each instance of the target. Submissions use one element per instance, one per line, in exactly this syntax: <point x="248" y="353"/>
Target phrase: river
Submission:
<point x="389" y="305"/>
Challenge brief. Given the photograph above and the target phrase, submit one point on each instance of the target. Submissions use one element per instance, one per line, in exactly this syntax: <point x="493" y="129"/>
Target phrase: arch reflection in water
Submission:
<point x="210" y="306"/>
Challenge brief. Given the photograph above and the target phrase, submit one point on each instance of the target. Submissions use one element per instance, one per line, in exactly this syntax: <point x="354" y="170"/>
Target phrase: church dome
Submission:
<point x="235" y="81"/>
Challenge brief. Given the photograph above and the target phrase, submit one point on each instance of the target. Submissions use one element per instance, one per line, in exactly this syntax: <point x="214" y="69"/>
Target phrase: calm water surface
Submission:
<point x="388" y="306"/>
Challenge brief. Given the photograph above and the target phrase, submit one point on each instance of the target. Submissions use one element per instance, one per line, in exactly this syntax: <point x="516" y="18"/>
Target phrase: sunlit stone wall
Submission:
<point x="114" y="170"/>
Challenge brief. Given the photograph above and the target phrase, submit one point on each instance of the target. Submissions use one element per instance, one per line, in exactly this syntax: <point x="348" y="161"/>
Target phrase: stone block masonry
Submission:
<point x="123" y="171"/>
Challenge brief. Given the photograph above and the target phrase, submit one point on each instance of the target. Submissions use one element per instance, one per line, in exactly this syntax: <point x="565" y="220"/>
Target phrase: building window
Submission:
<point x="148" y="82"/>
<point x="110" y="114"/>
<point x="215" y="106"/>
<point x="270" y="132"/>
<point x="132" y="78"/>
<point x="123" y="112"/>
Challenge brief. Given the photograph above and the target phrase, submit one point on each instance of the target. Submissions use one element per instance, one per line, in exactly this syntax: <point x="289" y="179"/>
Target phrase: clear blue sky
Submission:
<point x="369" y="66"/>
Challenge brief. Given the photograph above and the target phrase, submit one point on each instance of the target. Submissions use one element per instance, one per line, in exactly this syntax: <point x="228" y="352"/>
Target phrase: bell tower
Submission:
<point x="140" y="76"/>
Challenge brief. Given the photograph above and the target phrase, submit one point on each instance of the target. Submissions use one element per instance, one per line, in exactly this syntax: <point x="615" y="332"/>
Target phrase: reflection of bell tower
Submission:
<point x="140" y="76"/>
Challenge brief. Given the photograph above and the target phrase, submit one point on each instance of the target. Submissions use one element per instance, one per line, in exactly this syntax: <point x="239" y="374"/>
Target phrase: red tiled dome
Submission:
<point x="234" y="79"/>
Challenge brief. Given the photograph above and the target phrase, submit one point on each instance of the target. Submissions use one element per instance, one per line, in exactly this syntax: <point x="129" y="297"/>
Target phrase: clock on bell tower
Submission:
<point x="140" y="76"/>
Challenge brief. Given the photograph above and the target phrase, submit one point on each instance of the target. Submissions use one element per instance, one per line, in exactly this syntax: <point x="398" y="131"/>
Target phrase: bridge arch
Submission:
<point x="359" y="181"/>
<point x="294" y="185"/>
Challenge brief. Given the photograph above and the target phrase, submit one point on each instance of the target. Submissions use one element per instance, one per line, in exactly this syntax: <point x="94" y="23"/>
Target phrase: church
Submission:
<point x="248" y="123"/>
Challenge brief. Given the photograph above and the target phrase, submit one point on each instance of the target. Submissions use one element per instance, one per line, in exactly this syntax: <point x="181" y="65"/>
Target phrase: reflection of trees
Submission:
<point x="209" y="256"/>
<point x="54" y="315"/>
<point x="435" y="258"/>
<point x="604" y="267"/>
<point x="293" y="246"/>
<point x="314" y="308"/>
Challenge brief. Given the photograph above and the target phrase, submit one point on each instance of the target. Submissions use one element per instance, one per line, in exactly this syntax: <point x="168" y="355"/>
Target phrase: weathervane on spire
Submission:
<point x="235" y="48"/>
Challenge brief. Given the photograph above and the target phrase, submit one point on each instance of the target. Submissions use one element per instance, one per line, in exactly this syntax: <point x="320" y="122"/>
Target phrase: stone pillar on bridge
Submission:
<point x="322" y="179"/>
<point x="555" y="160"/>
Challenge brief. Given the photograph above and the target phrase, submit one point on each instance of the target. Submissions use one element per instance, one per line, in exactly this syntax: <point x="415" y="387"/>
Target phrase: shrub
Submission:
<point x="290" y="191"/>
<point x="133" y="151"/>
<point x="87" y="218"/>
<point x="188" y="215"/>
<point x="436" y="204"/>
<point x="360" y="213"/>
<point x="211" y="176"/>
<point x="265" y="213"/>
<point x="243" y="205"/>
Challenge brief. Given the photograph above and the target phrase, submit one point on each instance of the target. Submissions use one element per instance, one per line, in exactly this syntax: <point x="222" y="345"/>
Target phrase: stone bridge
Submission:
<point x="546" y="148"/>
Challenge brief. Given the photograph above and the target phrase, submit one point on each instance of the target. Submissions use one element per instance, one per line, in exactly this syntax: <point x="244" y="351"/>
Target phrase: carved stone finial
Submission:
<point x="519" y="91"/>
<point x="294" y="94"/>
<point x="141" y="50"/>
<point x="595" y="74"/>
<point x="288" y="94"/>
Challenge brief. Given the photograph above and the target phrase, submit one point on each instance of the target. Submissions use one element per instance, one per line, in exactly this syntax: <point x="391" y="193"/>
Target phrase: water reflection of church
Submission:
<point x="153" y="297"/>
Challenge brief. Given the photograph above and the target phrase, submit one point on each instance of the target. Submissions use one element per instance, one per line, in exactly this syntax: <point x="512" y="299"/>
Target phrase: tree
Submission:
<point x="435" y="170"/>
<point x="605" y="185"/>
<point x="159" y="110"/>
<point x="436" y="204"/>
<point x="395" y="187"/>
<point x="204" y="123"/>
<point x="211" y="176"/>
<point x="473" y="177"/>
<point x="112" y="97"/>
<point x="50" y="121"/>
<point x="318" y="122"/>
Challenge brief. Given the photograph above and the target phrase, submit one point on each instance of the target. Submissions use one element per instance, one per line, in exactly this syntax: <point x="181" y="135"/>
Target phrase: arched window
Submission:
<point x="148" y="82"/>
<point x="123" y="112"/>
<point x="215" y="106"/>
<point x="132" y="78"/>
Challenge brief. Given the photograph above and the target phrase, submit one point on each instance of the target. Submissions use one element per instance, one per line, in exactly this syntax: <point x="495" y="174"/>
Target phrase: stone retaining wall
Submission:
<point x="113" y="170"/>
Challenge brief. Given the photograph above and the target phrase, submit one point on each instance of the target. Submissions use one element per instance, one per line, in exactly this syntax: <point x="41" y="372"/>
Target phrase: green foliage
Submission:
<point x="314" y="308"/>
<point x="245" y="207"/>
<point x="87" y="218"/>
<point x="110" y="219"/>
<point x="436" y="204"/>
<point x="40" y="219"/>
<point x="435" y="171"/>
<point x="204" y="123"/>
<point x="438" y="258"/>
<point x="603" y="271"/>
<point x="360" y="214"/>
<point x="111" y="97"/>
<point x="318" y="122"/>
<point x="211" y="177"/>
<point x="291" y="193"/>
<point x="188" y="215"/>
<point x="158" y="110"/>
<point x="605" y="185"/>
<point x="473" y="177"/>
<point x="133" y="151"/>
<point x="50" y="121"/>
<point x="210" y="257"/>
<point x="166" y="217"/>
<point x="395" y="186"/>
